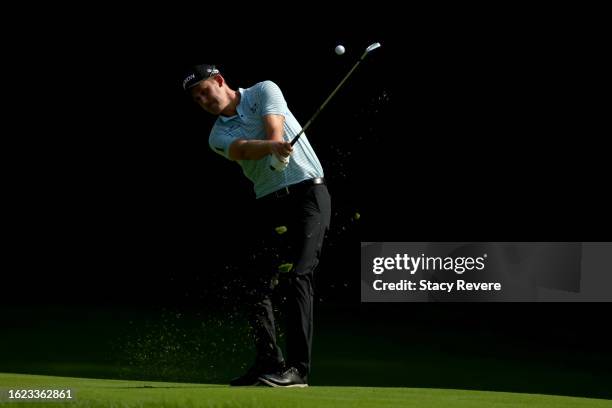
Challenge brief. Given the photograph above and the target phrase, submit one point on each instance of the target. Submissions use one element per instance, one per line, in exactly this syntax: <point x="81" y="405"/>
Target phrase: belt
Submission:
<point x="294" y="188"/>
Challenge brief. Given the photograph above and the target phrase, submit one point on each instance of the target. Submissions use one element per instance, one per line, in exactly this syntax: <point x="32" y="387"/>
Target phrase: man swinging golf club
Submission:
<point x="256" y="129"/>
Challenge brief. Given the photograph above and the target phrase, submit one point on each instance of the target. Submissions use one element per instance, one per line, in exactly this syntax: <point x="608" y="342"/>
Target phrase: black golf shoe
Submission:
<point x="289" y="378"/>
<point x="251" y="377"/>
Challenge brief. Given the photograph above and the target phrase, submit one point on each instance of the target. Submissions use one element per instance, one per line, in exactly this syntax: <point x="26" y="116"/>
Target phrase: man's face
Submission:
<point x="210" y="96"/>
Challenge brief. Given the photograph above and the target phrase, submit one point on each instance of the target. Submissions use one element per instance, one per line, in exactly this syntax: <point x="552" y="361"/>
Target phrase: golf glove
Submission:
<point x="278" y="164"/>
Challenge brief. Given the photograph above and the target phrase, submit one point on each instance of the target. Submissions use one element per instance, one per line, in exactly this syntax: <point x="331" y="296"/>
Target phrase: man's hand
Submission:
<point x="279" y="157"/>
<point x="280" y="149"/>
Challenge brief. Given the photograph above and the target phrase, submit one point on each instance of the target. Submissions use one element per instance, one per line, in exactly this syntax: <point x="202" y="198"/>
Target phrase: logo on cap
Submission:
<point x="189" y="78"/>
<point x="199" y="73"/>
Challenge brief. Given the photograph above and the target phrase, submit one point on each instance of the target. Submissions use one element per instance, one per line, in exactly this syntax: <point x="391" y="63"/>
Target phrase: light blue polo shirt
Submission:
<point x="265" y="98"/>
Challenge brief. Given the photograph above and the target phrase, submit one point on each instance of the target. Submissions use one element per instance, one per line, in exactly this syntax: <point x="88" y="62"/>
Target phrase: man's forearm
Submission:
<point x="250" y="149"/>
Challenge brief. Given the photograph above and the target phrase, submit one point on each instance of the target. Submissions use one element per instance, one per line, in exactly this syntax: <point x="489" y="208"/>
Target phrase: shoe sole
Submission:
<point x="271" y="384"/>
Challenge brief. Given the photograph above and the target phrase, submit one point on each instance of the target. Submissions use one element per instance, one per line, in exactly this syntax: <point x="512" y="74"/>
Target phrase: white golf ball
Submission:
<point x="339" y="50"/>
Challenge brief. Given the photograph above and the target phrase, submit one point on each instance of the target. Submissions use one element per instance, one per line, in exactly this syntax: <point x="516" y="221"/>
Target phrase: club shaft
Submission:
<point x="295" y="139"/>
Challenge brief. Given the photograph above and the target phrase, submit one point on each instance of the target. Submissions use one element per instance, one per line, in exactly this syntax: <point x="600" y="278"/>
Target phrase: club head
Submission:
<point x="372" y="47"/>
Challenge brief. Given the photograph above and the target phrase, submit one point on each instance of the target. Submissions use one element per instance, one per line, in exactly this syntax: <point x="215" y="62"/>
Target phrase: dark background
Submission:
<point x="457" y="129"/>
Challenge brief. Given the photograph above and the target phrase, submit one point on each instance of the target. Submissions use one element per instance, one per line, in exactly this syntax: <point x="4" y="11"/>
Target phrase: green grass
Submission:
<point x="128" y="394"/>
<point x="209" y="349"/>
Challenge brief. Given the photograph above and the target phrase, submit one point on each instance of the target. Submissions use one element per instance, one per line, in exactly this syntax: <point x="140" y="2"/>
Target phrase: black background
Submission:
<point x="460" y="128"/>
<point x="456" y="129"/>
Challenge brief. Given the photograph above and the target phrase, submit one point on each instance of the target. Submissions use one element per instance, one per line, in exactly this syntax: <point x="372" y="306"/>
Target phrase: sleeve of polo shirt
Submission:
<point x="272" y="99"/>
<point x="220" y="142"/>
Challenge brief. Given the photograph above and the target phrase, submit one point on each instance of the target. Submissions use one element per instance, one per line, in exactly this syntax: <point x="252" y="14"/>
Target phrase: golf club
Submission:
<point x="367" y="51"/>
<point x="276" y="163"/>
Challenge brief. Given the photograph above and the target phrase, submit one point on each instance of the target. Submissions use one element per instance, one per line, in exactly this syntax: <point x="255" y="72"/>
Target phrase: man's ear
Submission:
<point x="219" y="79"/>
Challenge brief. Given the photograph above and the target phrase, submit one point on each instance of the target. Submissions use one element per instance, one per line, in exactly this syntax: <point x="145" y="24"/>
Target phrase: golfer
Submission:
<point x="292" y="207"/>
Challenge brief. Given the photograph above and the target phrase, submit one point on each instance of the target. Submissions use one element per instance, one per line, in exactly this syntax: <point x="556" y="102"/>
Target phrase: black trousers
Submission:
<point x="285" y="263"/>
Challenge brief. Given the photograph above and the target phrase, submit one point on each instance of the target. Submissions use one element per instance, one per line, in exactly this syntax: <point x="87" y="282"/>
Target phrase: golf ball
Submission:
<point x="339" y="50"/>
